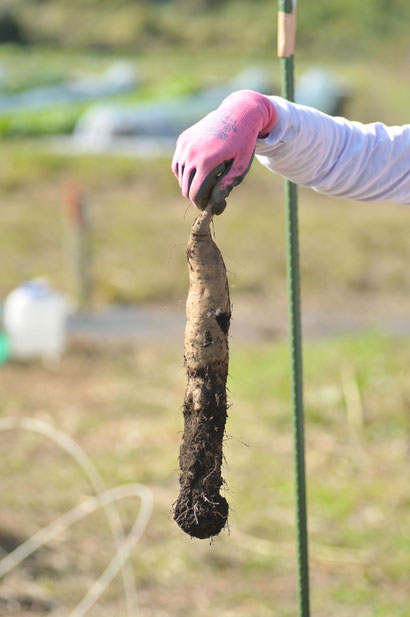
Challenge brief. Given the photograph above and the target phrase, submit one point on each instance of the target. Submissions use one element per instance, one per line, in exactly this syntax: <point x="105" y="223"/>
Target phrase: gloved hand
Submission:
<point x="214" y="155"/>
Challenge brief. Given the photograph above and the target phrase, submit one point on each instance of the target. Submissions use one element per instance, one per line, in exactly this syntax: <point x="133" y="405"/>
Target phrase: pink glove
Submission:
<point x="214" y="155"/>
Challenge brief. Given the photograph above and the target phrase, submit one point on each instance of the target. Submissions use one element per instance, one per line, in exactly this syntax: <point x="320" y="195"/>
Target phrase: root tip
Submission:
<point x="201" y="517"/>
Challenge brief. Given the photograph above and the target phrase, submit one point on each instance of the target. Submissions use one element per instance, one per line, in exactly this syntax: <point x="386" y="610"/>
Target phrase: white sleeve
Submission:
<point x="367" y="162"/>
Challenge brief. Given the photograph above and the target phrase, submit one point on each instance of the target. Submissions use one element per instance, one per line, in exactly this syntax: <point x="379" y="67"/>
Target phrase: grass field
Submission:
<point x="335" y="30"/>
<point x="123" y="406"/>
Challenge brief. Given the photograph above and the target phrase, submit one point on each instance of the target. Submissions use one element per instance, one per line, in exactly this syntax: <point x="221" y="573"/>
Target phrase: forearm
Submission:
<point x="337" y="157"/>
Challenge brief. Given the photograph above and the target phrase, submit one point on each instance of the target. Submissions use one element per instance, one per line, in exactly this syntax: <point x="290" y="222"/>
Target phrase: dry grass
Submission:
<point x="123" y="406"/>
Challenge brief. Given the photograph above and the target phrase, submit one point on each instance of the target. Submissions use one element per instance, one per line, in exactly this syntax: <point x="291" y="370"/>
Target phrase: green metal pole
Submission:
<point x="286" y="30"/>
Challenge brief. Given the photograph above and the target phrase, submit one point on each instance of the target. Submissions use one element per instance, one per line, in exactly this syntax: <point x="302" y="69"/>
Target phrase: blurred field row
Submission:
<point x="378" y="88"/>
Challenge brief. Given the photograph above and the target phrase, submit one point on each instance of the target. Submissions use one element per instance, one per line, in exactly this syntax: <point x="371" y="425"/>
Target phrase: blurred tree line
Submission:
<point x="328" y="27"/>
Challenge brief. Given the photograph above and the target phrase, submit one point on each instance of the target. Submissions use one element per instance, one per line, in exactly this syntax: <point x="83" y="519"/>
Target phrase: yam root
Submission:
<point x="201" y="511"/>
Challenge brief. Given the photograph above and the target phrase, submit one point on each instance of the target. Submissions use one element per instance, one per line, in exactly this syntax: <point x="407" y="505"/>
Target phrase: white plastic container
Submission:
<point x="35" y="318"/>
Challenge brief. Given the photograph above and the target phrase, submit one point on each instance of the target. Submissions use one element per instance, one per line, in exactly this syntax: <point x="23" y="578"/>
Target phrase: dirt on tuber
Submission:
<point x="200" y="510"/>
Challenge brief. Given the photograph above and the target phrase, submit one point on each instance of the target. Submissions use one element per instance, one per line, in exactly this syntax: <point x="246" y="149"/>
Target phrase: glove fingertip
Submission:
<point x="218" y="207"/>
